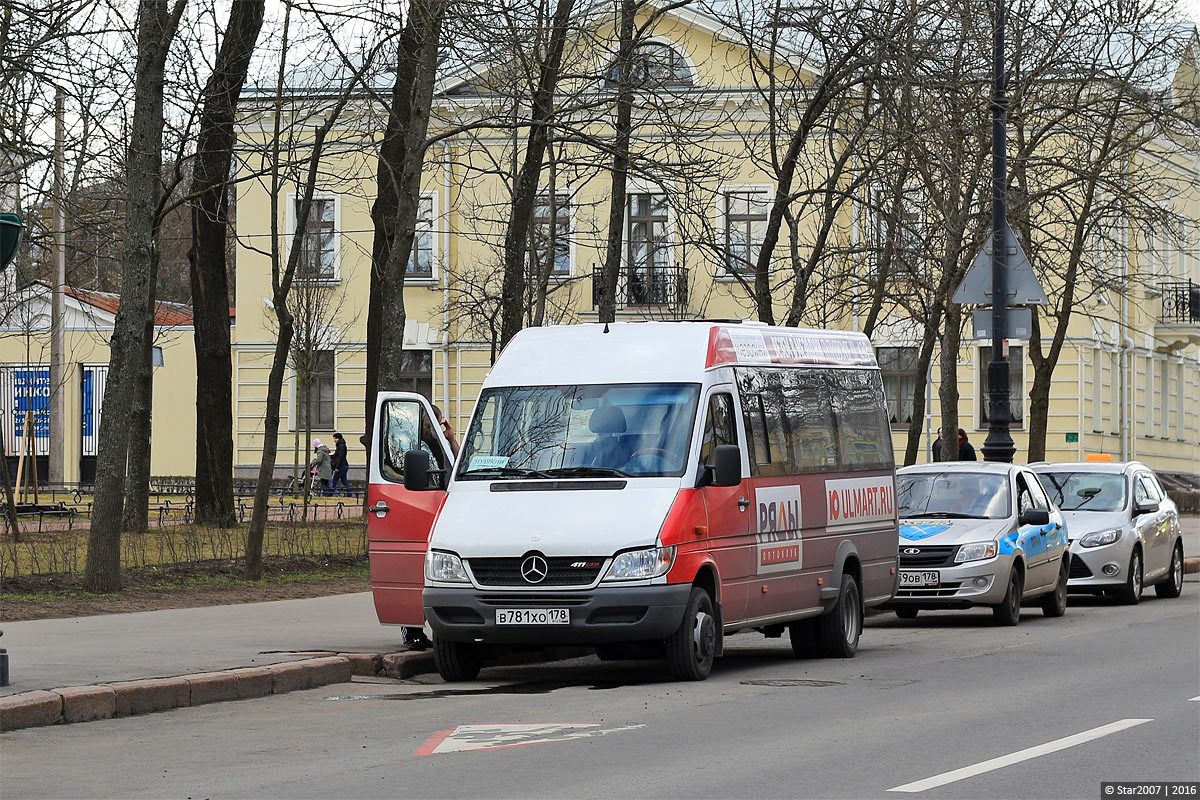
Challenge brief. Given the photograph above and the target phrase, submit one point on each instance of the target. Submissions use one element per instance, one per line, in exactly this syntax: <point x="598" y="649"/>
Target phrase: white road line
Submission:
<point x="1019" y="756"/>
<point x="1195" y="699"/>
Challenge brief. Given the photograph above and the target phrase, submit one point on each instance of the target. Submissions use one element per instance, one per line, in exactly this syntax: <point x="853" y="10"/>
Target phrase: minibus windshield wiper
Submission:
<point x="517" y="472"/>
<point x="586" y="472"/>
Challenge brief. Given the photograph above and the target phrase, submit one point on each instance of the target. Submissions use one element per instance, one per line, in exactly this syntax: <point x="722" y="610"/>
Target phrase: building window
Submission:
<point x="416" y="372"/>
<point x="318" y="244"/>
<point x="745" y="226"/>
<point x="1016" y="385"/>
<point x="420" y="260"/>
<point x="648" y="279"/>
<point x="318" y="393"/>
<point x="540" y="244"/>
<point x="655" y="65"/>
<point x="898" y="366"/>
<point x="898" y="236"/>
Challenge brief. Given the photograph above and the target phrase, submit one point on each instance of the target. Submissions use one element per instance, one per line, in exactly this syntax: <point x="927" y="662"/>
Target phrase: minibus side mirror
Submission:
<point x="727" y="466"/>
<point x="417" y="471"/>
<point x="1035" y="516"/>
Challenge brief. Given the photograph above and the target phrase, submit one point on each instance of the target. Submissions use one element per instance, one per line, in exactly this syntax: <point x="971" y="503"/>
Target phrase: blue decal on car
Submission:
<point x="914" y="532"/>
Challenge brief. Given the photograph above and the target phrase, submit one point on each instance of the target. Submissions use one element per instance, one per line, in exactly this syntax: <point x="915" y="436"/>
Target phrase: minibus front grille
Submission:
<point x="927" y="555"/>
<point x="561" y="571"/>
<point x="533" y="600"/>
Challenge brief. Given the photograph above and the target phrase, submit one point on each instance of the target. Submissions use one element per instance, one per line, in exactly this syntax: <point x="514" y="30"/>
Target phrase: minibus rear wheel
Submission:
<point x="456" y="661"/>
<point x="691" y="649"/>
<point x="838" y="630"/>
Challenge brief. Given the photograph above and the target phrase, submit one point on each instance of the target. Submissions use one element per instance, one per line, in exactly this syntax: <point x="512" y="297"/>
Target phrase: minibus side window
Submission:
<point x="809" y="405"/>
<point x="718" y="427"/>
<point x="405" y="426"/>
<point x="864" y="433"/>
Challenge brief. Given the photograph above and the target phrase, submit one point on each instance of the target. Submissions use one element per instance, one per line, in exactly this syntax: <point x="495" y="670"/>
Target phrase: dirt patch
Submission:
<point x="206" y="583"/>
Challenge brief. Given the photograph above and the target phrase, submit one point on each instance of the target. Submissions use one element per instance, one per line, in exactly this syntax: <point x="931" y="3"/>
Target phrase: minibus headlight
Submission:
<point x="639" y="564"/>
<point x="975" y="552"/>
<point x="1099" y="538"/>
<point x="444" y="567"/>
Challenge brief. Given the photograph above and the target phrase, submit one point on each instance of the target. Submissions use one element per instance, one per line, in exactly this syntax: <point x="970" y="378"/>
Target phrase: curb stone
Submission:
<point x="30" y="710"/>
<point x="1191" y="565"/>
<point x="87" y="703"/>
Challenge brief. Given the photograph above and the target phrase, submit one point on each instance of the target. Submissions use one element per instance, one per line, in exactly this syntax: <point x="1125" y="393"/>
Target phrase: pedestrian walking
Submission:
<point x="322" y="466"/>
<point x="340" y="464"/>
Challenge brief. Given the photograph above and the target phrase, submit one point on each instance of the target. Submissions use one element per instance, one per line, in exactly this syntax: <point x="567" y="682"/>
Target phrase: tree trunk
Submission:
<point x="209" y="272"/>
<point x="913" y="442"/>
<point x="143" y="166"/>
<point x="135" y="518"/>
<point x="512" y="293"/>
<point x="266" y="468"/>
<point x="623" y="127"/>
<point x="948" y="383"/>
<point x="396" y="203"/>
<point x="423" y="33"/>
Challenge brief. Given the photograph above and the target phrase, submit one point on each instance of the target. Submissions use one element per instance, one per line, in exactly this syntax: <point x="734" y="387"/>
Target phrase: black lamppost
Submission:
<point x="999" y="443"/>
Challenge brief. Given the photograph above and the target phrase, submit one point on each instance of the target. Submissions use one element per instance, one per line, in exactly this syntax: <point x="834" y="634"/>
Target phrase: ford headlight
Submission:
<point x="1099" y="538"/>
<point x="975" y="552"/>
<point x="444" y="567"/>
<point x="640" y="564"/>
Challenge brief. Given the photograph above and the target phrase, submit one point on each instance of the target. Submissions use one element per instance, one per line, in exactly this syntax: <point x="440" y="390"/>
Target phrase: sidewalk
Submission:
<point x="45" y="654"/>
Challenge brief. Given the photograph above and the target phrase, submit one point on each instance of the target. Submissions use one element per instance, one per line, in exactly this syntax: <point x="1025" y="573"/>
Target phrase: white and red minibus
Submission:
<point x="642" y="485"/>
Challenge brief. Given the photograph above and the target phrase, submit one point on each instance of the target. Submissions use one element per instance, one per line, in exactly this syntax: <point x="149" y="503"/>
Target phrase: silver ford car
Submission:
<point x="1124" y="530"/>
<point x="978" y="534"/>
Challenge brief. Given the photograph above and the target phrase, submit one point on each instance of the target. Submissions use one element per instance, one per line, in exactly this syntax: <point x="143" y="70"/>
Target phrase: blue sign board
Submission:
<point x="31" y="392"/>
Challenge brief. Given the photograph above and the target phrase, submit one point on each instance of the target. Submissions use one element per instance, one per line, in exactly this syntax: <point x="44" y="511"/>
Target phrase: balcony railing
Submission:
<point x="1180" y="303"/>
<point x="662" y="286"/>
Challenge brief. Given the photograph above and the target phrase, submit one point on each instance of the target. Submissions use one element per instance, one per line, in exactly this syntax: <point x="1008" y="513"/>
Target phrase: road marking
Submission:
<point x="1019" y="756"/>
<point x="1195" y="699"/>
<point x="474" y="737"/>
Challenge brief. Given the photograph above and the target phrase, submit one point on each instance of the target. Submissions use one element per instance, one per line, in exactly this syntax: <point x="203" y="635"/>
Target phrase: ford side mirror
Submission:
<point x="727" y="465"/>
<point x="1035" y="516"/>
<point x="417" y="471"/>
<point x="1145" y="507"/>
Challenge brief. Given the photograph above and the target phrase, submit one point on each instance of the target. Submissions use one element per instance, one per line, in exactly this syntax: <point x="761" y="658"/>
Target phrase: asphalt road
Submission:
<point x="1106" y="693"/>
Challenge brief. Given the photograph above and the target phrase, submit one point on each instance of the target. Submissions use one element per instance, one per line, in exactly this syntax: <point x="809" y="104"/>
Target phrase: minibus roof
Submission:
<point x="666" y="352"/>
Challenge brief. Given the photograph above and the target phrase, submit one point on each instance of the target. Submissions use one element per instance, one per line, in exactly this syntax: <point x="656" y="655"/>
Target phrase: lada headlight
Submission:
<point x="444" y="567"/>
<point x="975" y="552"/>
<point x="640" y="564"/>
<point x="1099" y="538"/>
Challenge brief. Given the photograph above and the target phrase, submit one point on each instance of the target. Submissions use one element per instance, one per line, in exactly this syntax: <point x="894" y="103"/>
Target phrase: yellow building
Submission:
<point x="25" y="384"/>
<point x="1128" y="382"/>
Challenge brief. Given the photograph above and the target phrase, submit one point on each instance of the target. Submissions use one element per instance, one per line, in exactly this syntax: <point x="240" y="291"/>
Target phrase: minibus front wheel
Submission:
<point x="456" y="661"/>
<point x="691" y="649"/>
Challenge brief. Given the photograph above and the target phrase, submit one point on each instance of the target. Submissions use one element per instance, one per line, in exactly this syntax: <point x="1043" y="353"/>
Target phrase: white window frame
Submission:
<point x="722" y="226"/>
<point x="291" y="198"/>
<point x="572" y="208"/>
<point x="435" y="242"/>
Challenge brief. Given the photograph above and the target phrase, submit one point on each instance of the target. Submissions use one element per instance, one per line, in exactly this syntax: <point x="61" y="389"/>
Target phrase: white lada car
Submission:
<point x="1124" y="529"/>
<point x="979" y="534"/>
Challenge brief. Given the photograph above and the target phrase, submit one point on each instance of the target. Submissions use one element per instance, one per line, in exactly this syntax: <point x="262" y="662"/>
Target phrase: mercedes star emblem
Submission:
<point x="534" y="569"/>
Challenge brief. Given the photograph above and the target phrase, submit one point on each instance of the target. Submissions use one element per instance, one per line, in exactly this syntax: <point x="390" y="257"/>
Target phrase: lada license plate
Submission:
<point x="921" y="578"/>
<point x="533" y="616"/>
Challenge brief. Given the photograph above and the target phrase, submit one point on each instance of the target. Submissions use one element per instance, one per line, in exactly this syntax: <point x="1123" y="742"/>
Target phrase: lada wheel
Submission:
<point x="1055" y="603"/>
<point x="906" y="613"/>
<point x="1008" y="610"/>
<point x="838" y="631"/>
<point x="1173" y="585"/>
<point x="690" y="650"/>
<point x="1131" y="592"/>
<point x="456" y="661"/>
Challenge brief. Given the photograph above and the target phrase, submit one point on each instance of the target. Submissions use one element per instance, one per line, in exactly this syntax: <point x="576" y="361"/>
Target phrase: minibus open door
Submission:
<point x="399" y="521"/>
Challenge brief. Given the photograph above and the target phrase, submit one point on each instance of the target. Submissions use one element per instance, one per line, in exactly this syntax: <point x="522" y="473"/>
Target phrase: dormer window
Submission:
<point x="655" y="65"/>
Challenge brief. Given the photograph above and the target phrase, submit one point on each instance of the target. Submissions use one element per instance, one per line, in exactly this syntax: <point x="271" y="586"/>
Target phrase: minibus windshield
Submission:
<point x="952" y="495"/>
<point x="583" y="431"/>
<point x="1086" y="491"/>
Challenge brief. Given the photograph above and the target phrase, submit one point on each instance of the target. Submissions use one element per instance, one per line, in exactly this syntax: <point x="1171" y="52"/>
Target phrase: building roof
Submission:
<point x="166" y="314"/>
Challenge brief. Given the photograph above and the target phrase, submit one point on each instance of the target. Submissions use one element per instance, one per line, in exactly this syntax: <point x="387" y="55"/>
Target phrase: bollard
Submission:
<point x="3" y="665"/>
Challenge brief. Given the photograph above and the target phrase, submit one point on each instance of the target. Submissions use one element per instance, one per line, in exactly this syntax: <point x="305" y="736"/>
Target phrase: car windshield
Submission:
<point x="1086" y="491"/>
<point x="952" y="495"/>
<point x="586" y="431"/>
